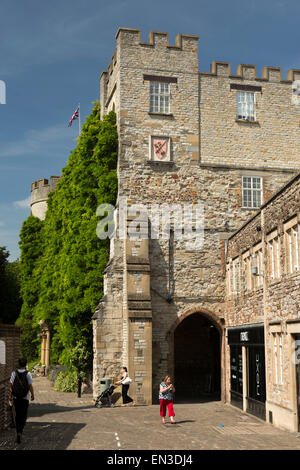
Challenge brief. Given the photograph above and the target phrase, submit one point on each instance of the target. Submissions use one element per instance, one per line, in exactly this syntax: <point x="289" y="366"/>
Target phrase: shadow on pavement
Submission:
<point x="42" y="436"/>
<point x="201" y="399"/>
<point x="36" y="410"/>
<point x="186" y="421"/>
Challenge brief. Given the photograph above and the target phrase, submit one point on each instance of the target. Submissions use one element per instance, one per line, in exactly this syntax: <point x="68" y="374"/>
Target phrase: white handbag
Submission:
<point x="126" y="381"/>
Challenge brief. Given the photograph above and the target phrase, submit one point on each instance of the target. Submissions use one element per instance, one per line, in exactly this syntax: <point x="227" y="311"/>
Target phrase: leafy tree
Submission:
<point x="69" y="271"/>
<point x="10" y="299"/>
<point x="79" y="358"/>
<point x="31" y="244"/>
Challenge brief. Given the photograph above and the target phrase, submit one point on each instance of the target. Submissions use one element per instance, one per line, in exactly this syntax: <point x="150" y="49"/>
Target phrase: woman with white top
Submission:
<point x="125" y="381"/>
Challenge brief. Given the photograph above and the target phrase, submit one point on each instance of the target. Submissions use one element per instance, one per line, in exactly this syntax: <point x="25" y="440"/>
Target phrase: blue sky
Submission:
<point x="52" y="55"/>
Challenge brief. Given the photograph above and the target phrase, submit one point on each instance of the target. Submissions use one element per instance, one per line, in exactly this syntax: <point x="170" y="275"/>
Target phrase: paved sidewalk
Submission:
<point x="59" y="421"/>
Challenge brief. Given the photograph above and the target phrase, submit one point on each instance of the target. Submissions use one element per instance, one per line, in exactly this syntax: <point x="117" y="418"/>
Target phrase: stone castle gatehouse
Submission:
<point x="223" y="140"/>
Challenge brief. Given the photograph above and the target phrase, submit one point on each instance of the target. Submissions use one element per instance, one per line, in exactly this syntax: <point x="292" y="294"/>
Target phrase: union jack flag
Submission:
<point x="75" y="116"/>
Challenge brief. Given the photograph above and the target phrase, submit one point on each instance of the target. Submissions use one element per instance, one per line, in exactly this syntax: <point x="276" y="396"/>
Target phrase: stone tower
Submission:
<point x="40" y="191"/>
<point x="216" y="139"/>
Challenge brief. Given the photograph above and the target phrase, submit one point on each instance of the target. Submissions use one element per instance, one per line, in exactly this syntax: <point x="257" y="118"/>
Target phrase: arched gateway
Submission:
<point x="196" y="345"/>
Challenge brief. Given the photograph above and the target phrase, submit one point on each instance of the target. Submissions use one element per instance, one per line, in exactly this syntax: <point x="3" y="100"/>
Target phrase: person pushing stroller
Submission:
<point x="125" y="381"/>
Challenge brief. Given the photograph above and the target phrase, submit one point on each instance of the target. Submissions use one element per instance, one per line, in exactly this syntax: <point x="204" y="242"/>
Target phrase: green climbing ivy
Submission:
<point x="69" y="271"/>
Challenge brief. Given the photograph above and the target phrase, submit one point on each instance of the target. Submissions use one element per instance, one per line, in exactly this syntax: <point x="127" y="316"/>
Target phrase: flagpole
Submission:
<point x="79" y="130"/>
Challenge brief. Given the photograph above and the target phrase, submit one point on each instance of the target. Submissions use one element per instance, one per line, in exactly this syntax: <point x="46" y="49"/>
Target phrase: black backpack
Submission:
<point x="20" y="387"/>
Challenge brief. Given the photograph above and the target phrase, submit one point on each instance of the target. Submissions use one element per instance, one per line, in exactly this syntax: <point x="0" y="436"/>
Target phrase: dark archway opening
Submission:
<point x="197" y="360"/>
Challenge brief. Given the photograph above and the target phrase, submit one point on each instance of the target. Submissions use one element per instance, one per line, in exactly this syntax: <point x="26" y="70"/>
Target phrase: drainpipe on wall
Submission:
<point x="265" y="306"/>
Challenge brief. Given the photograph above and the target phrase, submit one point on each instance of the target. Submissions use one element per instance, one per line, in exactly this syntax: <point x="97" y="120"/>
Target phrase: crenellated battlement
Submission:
<point x="248" y="72"/>
<point x="158" y="39"/>
<point x="44" y="183"/>
<point x="39" y="184"/>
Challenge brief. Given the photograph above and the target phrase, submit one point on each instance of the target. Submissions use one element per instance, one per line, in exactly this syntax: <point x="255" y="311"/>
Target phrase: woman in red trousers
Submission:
<point x="166" y="394"/>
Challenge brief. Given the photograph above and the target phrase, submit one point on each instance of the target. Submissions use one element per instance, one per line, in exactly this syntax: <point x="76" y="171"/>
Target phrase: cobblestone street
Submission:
<point x="60" y="421"/>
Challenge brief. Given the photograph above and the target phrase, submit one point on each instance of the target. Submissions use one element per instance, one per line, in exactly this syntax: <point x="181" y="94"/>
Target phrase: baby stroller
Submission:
<point x="105" y="397"/>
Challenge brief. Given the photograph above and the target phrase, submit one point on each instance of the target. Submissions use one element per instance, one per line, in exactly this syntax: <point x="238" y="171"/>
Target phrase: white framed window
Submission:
<point x="159" y="97"/>
<point x="275" y="355"/>
<point x="245" y="101"/>
<point x="260" y="267"/>
<point x="274" y="256"/>
<point x="290" y="237"/>
<point x="272" y="260"/>
<point x="296" y="242"/>
<point x="277" y="247"/>
<point x="252" y="191"/>
<point x="257" y="262"/>
<point x="280" y="359"/>
<point x="292" y="247"/>
<point x="247" y="260"/>
<point x="236" y="276"/>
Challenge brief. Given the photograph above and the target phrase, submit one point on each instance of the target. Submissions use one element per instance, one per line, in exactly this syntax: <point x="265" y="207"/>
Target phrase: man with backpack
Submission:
<point x="20" y="390"/>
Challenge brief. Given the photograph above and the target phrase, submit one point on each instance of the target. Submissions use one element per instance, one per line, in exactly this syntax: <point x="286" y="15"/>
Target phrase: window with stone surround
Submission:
<point x="257" y="261"/>
<point x="291" y="230"/>
<point x="233" y="277"/>
<point x="273" y="242"/>
<point x="247" y="271"/>
<point x="159" y="97"/>
<point x="252" y="191"/>
<point x="236" y="276"/>
<point x="246" y="105"/>
<point x="277" y="359"/>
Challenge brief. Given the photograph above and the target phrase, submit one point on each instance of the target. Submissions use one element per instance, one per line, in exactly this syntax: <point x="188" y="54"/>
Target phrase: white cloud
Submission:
<point x="44" y="142"/>
<point x="2" y="223"/>
<point x="25" y="204"/>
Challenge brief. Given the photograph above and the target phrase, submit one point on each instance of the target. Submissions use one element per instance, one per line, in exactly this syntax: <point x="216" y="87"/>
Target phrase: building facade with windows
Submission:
<point x="223" y="140"/>
<point x="262" y="311"/>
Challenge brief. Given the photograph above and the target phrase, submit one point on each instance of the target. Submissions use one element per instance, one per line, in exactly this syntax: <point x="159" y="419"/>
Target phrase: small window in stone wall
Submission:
<point x="159" y="97"/>
<point x="251" y="191"/>
<point x="292" y="247"/>
<point x="277" y="359"/>
<point x="247" y="276"/>
<point x="233" y="274"/>
<point x="274" y="257"/>
<point x="246" y="105"/>
<point x="257" y="262"/>
<point x="236" y="276"/>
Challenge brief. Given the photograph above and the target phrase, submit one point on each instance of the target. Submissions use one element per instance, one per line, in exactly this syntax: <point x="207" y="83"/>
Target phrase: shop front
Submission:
<point x="247" y="368"/>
